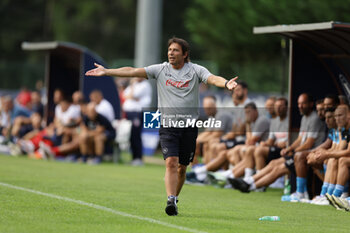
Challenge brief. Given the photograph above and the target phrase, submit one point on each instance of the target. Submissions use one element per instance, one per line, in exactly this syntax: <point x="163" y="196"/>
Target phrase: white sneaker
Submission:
<point x="137" y="163"/>
<point x="299" y="197"/>
<point x="47" y="150"/>
<point x="320" y="200"/>
<point x="26" y="146"/>
<point x="216" y="179"/>
<point x="15" y="150"/>
<point x="344" y="195"/>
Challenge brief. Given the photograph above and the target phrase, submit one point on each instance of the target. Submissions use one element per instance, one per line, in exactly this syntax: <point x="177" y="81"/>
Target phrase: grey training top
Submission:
<point x="279" y="130"/>
<point x="226" y="122"/>
<point x="260" y="128"/>
<point x="312" y="127"/>
<point x="178" y="90"/>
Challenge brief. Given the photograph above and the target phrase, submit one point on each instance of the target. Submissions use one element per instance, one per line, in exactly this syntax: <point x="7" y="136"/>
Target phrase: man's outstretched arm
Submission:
<point x="220" y="82"/>
<point x="126" y="72"/>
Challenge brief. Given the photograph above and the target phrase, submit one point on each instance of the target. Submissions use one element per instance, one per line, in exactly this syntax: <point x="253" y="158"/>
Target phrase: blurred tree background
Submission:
<point x="219" y="32"/>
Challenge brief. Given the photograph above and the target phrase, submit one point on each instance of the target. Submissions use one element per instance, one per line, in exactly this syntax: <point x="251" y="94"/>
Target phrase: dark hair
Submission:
<point x="335" y="98"/>
<point x="184" y="46"/>
<point x="320" y="101"/>
<point x="36" y="91"/>
<point x="243" y="84"/>
<point x="331" y="109"/>
<point x="283" y="99"/>
<point x="67" y="99"/>
<point x="251" y="105"/>
<point x="83" y="102"/>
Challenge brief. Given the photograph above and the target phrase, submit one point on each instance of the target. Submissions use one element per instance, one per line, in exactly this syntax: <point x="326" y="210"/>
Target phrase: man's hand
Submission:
<point x="232" y="84"/>
<point x="311" y="158"/>
<point x="321" y="156"/>
<point x="99" y="71"/>
<point x="263" y="143"/>
<point x="281" y="144"/>
<point x="285" y="151"/>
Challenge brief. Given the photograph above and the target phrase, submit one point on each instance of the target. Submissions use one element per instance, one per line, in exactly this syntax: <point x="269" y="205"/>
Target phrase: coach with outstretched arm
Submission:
<point x="178" y="90"/>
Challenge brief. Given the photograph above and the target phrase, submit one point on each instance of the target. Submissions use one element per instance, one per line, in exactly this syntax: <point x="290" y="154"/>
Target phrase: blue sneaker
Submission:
<point x="296" y="197"/>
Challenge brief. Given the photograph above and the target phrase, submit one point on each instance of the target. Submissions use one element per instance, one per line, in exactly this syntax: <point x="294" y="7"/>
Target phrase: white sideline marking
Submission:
<point x="99" y="207"/>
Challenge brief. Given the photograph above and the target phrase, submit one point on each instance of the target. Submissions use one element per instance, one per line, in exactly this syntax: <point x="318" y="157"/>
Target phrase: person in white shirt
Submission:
<point x="137" y="95"/>
<point x="67" y="116"/>
<point x="103" y="107"/>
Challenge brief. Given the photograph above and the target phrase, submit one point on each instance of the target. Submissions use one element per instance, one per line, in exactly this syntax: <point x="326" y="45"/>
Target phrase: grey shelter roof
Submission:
<point x="51" y="45"/>
<point x="327" y="40"/>
<point x="65" y="67"/>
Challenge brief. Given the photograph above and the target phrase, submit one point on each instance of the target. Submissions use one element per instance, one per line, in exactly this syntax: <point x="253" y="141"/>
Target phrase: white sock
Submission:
<point x="248" y="172"/>
<point x="227" y="173"/>
<point x="252" y="186"/>
<point x="199" y="170"/>
<point x="249" y="180"/>
<point x="232" y="176"/>
<point x="201" y="176"/>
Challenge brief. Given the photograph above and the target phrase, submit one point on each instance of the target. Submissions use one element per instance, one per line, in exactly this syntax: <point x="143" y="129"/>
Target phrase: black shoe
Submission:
<point x="171" y="207"/>
<point x="191" y="178"/>
<point x="239" y="184"/>
<point x="190" y="175"/>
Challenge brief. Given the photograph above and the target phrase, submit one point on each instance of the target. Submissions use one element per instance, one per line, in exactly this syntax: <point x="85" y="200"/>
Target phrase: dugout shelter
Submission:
<point x="65" y="67"/>
<point x="319" y="61"/>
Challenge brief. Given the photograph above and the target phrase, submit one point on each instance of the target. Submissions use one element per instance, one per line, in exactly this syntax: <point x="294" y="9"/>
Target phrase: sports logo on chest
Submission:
<point x="178" y="84"/>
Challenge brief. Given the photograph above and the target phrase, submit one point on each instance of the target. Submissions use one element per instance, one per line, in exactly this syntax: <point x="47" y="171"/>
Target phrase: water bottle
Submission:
<point x="287" y="187"/>
<point x="270" y="218"/>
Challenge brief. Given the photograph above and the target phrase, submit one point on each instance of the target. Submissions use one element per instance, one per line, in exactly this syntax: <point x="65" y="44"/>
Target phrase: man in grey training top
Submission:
<point x="178" y="98"/>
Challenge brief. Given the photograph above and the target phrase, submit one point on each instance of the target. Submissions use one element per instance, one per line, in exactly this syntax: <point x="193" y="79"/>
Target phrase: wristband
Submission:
<point x="226" y="84"/>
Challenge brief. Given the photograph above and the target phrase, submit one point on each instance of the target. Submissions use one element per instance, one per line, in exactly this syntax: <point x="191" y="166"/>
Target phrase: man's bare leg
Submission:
<point x="332" y="170"/>
<point x="330" y="177"/>
<point x="85" y="149"/>
<point x="266" y="176"/>
<point x="343" y="170"/>
<point x="214" y="165"/>
<point x="172" y="184"/>
<point x="233" y="155"/>
<point x="69" y="147"/>
<point x="205" y="154"/>
<point x="218" y="162"/>
<point x="100" y="141"/>
<point x="300" y="163"/>
<point x="171" y="175"/>
<point x="266" y="170"/>
<point x="181" y="171"/>
<point x="268" y="179"/>
<point x="260" y="156"/>
<point x="213" y="146"/>
<point x="238" y="170"/>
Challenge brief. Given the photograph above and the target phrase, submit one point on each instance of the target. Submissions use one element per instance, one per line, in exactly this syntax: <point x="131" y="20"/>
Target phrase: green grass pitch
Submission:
<point x="139" y="191"/>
